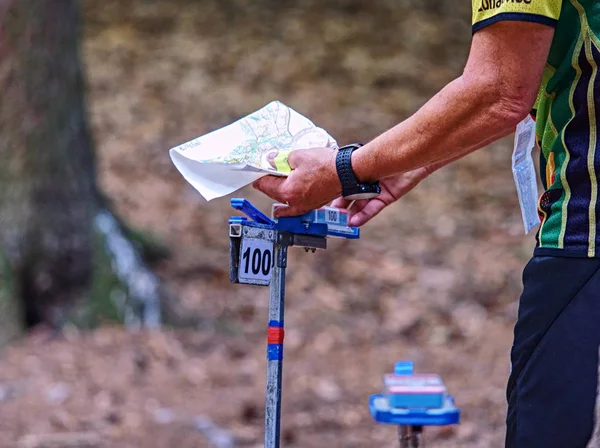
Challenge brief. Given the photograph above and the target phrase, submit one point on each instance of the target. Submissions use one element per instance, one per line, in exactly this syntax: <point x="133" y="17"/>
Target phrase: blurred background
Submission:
<point x="118" y="323"/>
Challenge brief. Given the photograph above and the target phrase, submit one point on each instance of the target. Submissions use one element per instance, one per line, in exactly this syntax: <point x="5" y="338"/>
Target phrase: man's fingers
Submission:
<point x="283" y="212"/>
<point x="293" y="158"/>
<point x="345" y="203"/>
<point x="271" y="186"/>
<point x="370" y="210"/>
<point x="340" y="203"/>
<point x="271" y="158"/>
<point x="269" y="183"/>
<point x="358" y="206"/>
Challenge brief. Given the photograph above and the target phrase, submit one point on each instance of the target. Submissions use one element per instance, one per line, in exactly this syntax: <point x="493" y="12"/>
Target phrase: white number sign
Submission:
<point x="256" y="260"/>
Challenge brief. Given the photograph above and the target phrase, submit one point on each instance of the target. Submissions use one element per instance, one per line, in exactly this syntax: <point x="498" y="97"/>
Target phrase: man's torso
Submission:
<point x="566" y="119"/>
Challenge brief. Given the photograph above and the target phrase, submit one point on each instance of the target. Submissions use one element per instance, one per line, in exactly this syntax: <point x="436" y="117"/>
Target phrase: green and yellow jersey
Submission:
<point x="566" y="119"/>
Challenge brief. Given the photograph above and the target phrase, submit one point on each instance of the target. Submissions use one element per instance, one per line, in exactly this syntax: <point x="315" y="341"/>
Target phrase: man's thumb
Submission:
<point x="280" y="161"/>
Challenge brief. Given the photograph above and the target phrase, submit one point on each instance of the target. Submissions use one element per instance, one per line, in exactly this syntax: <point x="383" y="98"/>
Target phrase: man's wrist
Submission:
<point x="333" y="168"/>
<point x="352" y="188"/>
<point x="360" y="164"/>
<point x="363" y="159"/>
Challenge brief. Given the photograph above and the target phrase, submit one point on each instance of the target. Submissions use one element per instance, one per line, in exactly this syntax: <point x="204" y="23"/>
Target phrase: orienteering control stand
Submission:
<point x="258" y="256"/>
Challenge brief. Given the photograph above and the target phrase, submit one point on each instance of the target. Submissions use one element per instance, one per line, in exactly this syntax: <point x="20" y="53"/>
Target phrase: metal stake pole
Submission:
<point x="275" y="343"/>
<point x="410" y="436"/>
<point x="403" y="436"/>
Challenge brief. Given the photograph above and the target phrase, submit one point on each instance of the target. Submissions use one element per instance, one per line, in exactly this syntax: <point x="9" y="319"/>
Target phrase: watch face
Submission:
<point x="362" y="191"/>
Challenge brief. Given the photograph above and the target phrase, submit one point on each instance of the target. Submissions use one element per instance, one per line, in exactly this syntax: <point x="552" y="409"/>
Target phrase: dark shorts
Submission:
<point x="552" y="387"/>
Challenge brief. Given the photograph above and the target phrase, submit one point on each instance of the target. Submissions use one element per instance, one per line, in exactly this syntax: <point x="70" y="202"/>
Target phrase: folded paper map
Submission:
<point x="232" y="157"/>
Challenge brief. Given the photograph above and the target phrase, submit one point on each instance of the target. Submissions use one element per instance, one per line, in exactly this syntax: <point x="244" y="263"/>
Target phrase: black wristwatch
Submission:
<point x="351" y="188"/>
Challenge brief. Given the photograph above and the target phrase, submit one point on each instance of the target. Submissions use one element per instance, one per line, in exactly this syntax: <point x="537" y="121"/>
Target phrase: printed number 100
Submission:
<point x="259" y="261"/>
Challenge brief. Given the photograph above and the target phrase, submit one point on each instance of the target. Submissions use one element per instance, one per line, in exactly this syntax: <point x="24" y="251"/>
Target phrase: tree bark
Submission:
<point x="59" y="243"/>
<point x="47" y="180"/>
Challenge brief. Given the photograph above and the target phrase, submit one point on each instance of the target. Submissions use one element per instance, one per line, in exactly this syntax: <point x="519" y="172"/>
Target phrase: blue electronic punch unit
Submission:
<point x="411" y="399"/>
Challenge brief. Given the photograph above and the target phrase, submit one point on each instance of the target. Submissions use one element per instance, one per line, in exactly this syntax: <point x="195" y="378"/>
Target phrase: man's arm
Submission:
<point x="496" y="90"/>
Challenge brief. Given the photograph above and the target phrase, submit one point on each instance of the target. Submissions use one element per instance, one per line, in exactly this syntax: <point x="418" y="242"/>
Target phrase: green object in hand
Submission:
<point x="281" y="162"/>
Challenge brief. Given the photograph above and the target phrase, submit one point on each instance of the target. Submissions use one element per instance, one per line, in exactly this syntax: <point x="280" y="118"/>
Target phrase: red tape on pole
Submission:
<point x="275" y="335"/>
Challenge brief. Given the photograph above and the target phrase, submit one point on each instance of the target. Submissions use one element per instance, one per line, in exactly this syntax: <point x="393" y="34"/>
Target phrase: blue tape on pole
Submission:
<point x="275" y="323"/>
<point x="275" y="352"/>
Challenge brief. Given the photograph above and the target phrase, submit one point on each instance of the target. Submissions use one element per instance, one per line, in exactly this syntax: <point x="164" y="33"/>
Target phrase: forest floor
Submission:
<point x="434" y="279"/>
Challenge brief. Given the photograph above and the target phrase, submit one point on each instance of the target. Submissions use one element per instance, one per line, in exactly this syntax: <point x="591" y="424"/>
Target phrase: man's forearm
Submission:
<point x="498" y="87"/>
<point x="466" y="115"/>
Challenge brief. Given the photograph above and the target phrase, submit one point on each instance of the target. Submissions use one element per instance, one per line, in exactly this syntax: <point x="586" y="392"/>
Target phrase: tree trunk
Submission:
<point x="58" y="242"/>
<point x="47" y="183"/>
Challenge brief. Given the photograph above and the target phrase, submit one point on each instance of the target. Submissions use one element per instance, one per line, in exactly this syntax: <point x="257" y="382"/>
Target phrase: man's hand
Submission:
<point x="312" y="183"/>
<point x="392" y="189"/>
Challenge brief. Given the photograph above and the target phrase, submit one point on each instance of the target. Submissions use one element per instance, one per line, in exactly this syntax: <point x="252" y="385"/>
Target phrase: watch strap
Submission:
<point x="343" y="166"/>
